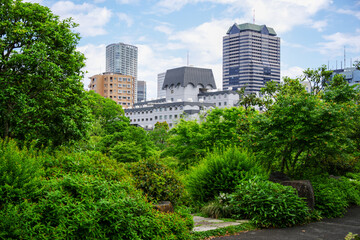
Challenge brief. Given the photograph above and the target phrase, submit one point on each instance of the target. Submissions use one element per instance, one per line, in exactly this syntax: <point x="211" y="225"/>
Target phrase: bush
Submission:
<point x="20" y="172"/>
<point x="268" y="204"/>
<point x="79" y="206"/>
<point x="157" y="181"/>
<point x="219" y="208"/>
<point x="78" y="196"/>
<point x="332" y="199"/>
<point x="220" y="172"/>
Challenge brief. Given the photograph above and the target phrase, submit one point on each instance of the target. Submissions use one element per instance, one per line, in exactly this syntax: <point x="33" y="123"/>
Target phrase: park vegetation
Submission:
<point x="72" y="166"/>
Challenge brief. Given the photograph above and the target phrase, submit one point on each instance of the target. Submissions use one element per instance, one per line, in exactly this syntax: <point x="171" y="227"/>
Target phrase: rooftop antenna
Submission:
<point x="254" y="16"/>
<point x="344" y="58"/>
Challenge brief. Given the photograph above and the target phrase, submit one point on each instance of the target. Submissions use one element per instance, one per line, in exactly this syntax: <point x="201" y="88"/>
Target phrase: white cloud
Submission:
<point x="164" y="29"/>
<point x="95" y="60"/>
<point x="123" y="17"/>
<point x="350" y="12"/>
<point x="292" y="72"/>
<point x="334" y="46"/>
<point x="282" y="15"/>
<point x="127" y="1"/>
<point x="91" y="19"/>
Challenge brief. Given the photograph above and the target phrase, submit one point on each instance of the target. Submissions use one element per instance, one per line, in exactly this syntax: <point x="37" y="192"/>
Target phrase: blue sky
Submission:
<point x="312" y="32"/>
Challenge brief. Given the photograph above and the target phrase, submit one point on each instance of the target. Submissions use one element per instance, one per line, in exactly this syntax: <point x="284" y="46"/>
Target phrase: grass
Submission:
<point x="226" y="231"/>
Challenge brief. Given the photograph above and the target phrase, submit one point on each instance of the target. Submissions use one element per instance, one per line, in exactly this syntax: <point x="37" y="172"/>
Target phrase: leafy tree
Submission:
<point x="318" y="78"/>
<point x="107" y="113"/>
<point x="247" y="100"/>
<point x="357" y="65"/>
<point x="160" y="134"/>
<point x="41" y="95"/>
<point x="302" y="130"/>
<point x="129" y="145"/>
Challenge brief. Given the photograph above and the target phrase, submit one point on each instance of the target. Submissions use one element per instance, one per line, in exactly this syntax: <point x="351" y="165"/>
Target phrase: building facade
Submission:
<point x="189" y="92"/>
<point x="122" y="58"/>
<point x="160" y="81"/>
<point x="118" y="87"/>
<point x="251" y="57"/>
<point x="141" y="91"/>
<point x="352" y="75"/>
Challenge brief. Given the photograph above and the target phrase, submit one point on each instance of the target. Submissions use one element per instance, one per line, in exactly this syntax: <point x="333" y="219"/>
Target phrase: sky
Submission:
<point x="171" y="33"/>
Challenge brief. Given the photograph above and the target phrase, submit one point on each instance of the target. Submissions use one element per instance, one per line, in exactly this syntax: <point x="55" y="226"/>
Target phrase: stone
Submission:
<point x="304" y="189"/>
<point x="164" y="206"/>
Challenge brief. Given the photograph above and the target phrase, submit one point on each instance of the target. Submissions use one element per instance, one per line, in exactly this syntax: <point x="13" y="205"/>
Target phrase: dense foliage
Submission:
<point x="68" y="195"/>
<point x="268" y="204"/>
<point x="220" y="172"/>
<point x="41" y="95"/>
<point x="158" y="182"/>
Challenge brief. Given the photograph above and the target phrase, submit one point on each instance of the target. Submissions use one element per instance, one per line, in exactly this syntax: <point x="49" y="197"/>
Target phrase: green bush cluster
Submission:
<point x="156" y="180"/>
<point x="268" y="204"/>
<point x="78" y="196"/>
<point x="333" y="196"/>
<point x="221" y="172"/>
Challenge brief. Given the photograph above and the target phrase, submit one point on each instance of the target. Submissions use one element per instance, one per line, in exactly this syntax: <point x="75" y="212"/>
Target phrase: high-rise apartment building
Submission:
<point x="160" y="81"/>
<point x="122" y="58"/>
<point x="251" y="57"/>
<point x="118" y="87"/>
<point x="141" y="91"/>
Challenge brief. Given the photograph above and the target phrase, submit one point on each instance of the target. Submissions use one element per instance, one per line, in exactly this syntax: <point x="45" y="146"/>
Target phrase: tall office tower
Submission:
<point x="118" y="87"/>
<point x="160" y="81"/>
<point x="251" y="57"/>
<point x="122" y="58"/>
<point x="141" y="91"/>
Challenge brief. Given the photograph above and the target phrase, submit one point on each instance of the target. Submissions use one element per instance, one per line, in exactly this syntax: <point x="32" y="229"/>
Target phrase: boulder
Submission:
<point x="304" y="189"/>
<point x="164" y="206"/>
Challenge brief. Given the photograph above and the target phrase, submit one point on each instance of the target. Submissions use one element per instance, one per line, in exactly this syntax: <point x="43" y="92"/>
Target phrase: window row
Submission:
<point x="121" y="97"/>
<point x="119" y="79"/>
<point x="165" y="117"/>
<point x="124" y="103"/>
<point x="120" y="85"/>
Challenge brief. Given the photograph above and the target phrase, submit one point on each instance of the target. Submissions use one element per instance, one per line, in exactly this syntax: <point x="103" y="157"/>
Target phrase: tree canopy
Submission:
<point x="41" y="94"/>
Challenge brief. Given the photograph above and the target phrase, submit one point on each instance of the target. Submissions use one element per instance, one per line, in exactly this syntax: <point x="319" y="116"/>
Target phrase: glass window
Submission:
<point x="119" y="91"/>
<point x="160" y="117"/>
<point x="165" y="116"/>
<point x="124" y="85"/>
<point x="129" y="80"/>
<point x="175" y="116"/>
<point x="120" y="79"/>
<point x="128" y="85"/>
<point x="170" y="116"/>
<point x="225" y="103"/>
<point x="156" y="117"/>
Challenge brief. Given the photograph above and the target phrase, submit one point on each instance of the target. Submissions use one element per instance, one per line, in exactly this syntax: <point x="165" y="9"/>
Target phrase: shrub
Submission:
<point x="268" y="204"/>
<point x="91" y="163"/>
<point x="330" y="199"/>
<point x="20" y="172"/>
<point x="219" y="208"/>
<point x="220" y="172"/>
<point x="79" y="206"/>
<point x="156" y="180"/>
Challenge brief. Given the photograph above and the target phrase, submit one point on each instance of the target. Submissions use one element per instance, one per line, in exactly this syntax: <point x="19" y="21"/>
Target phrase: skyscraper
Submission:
<point x="141" y="91"/>
<point x="251" y="57"/>
<point x="122" y="58"/>
<point x="160" y="81"/>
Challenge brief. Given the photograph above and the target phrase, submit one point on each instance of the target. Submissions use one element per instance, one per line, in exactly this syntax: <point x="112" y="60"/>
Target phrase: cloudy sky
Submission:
<point x="312" y="32"/>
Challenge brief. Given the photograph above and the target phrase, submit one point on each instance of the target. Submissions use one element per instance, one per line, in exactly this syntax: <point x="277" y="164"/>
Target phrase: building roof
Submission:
<point x="186" y="75"/>
<point x="217" y="93"/>
<point x="252" y="27"/>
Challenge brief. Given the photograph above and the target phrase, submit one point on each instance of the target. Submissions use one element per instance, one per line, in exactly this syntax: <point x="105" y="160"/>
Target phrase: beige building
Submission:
<point x="118" y="87"/>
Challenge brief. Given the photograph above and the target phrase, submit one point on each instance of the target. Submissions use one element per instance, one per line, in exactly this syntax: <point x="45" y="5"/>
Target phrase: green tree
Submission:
<point x="301" y="130"/>
<point x="41" y="94"/>
<point x="318" y="78"/>
<point x="107" y="113"/>
<point x="160" y="134"/>
<point x="248" y="100"/>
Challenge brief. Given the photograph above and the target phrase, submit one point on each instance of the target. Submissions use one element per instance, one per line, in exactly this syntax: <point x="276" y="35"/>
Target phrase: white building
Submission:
<point x="189" y="91"/>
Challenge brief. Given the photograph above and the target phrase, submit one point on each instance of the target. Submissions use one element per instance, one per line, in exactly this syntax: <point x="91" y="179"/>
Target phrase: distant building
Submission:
<point x="122" y="58"/>
<point x="118" y="87"/>
<point x="160" y="81"/>
<point x="352" y="75"/>
<point x="141" y="91"/>
<point x="189" y="91"/>
<point x="251" y="57"/>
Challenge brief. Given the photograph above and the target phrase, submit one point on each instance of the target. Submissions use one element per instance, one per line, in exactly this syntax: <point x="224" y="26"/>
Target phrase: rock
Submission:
<point x="164" y="206"/>
<point x="278" y="177"/>
<point x="304" y="189"/>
